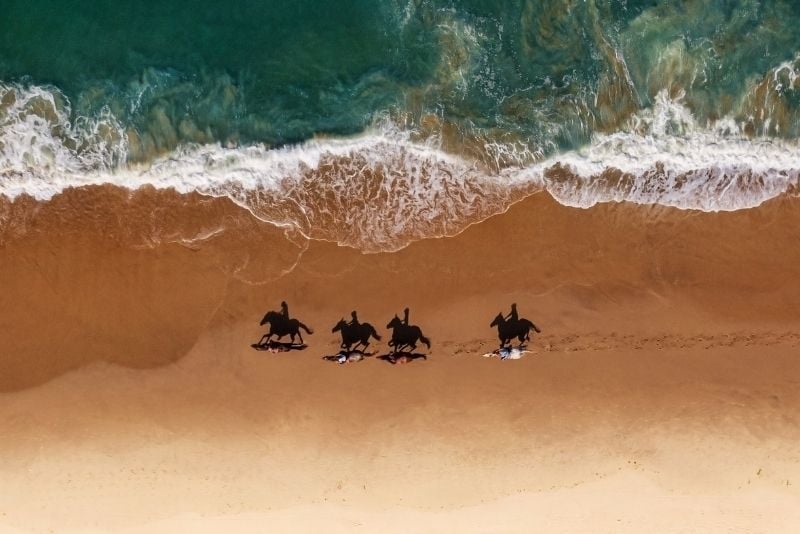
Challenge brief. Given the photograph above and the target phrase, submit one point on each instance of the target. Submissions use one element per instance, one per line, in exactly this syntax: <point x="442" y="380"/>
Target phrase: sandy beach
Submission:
<point x="662" y="394"/>
<point x="619" y="177"/>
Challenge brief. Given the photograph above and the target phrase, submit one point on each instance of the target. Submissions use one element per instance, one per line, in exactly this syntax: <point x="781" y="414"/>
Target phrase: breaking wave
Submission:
<point x="389" y="186"/>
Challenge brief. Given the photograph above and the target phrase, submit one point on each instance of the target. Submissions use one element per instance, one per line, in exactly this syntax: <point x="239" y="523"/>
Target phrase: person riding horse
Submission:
<point x="280" y="324"/>
<point x="356" y="333"/>
<point x="405" y="335"/>
<point x="512" y="317"/>
<point x="511" y="326"/>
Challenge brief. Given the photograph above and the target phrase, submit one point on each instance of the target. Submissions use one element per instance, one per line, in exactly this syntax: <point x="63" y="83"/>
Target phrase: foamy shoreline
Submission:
<point x="387" y="187"/>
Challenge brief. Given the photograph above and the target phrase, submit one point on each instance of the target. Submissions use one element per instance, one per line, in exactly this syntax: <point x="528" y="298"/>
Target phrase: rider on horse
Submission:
<point x="513" y="317"/>
<point x="511" y="326"/>
<point x="355" y="333"/>
<point x="405" y="336"/>
<point x="281" y="325"/>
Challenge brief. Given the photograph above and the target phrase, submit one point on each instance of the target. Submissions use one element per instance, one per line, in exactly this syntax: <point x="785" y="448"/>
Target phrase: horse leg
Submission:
<point x="364" y="342"/>
<point x="268" y="337"/>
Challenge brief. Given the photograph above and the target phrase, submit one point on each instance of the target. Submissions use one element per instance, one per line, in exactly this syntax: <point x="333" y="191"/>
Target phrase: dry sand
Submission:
<point x="662" y="395"/>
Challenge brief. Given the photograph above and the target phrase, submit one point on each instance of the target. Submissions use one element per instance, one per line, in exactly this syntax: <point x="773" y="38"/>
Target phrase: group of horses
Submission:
<point x="356" y="336"/>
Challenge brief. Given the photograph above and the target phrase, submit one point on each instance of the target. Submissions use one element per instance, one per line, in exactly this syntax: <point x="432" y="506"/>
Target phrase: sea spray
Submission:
<point x="382" y="189"/>
<point x="373" y="125"/>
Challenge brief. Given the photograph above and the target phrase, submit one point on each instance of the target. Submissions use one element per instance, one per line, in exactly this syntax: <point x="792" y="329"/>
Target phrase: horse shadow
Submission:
<point x="402" y="357"/>
<point x="508" y="330"/>
<point x="278" y="346"/>
<point x="349" y="356"/>
<point x="280" y="325"/>
<point x="405" y="338"/>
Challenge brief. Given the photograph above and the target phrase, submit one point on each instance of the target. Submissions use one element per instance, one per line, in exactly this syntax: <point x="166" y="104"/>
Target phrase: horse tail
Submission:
<point x="374" y="333"/>
<point x="304" y="327"/>
<point x="424" y="339"/>
<point x="535" y="328"/>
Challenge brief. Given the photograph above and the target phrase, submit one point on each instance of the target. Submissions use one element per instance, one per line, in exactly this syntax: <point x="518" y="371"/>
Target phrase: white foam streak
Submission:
<point x="38" y="142"/>
<point x="381" y="190"/>
<point x="666" y="158"/>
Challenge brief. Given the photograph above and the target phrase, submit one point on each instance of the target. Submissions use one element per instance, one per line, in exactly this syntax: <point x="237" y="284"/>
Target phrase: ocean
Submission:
<point x="377" y="123"/>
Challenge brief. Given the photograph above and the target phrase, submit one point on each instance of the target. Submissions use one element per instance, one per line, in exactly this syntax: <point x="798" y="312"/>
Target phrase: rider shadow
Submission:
<point x="513" y="327"/>
<point x="349" y="356"/>
<point x="281" y="325"/>
<point x="404" y="340"/>
<point x="278" y="346"/>
<point x="356" y="338"/>
<point x="402" y="357"/>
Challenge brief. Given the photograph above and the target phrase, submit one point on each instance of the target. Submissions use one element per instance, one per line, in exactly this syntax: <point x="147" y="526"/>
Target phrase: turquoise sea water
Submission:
<point x="456" y="106"/>
<point x="546" y="73"/>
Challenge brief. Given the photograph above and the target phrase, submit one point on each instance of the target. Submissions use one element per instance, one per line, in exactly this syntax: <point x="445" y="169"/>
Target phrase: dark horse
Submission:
<point x="355" y="333"/>
<point x="508" y="330"/>
<point x="404" y="335"/>
<point x="281" y="326"/>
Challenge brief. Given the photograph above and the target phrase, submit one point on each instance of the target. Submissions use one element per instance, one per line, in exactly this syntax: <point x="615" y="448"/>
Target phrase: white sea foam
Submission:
<point x="381" y="190"/>
<point x="666" y="158"/>
<point x="38" y="143"/>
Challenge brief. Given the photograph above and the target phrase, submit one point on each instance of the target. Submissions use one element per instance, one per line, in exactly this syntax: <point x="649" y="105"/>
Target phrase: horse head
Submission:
<point x="267" y="317"/>
<point x="271" y="317"/>
<point x="498" y="320"/>
<point x="394" y="323"/>
<point x="341" y="324"/>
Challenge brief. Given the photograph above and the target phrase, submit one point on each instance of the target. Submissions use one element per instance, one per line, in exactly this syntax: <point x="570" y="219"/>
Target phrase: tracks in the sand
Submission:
<point x="595" y="341"/>
<point x="671" y="341"/>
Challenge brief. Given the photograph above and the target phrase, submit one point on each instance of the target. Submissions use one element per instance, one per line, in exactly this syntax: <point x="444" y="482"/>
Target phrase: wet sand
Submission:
<point x="662" y="394"/>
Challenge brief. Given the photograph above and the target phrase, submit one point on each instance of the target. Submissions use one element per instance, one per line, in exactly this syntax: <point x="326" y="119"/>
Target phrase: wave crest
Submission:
<point x="384" y="189"/>
<point x="38" y="139"/>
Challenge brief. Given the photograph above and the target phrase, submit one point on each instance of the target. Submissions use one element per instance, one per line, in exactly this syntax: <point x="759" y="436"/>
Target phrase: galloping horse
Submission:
<point x="404" y="335"/>
<point x="280" y="326"/>
<point x="508" y="330"/>
<point x="355" y="333"/>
